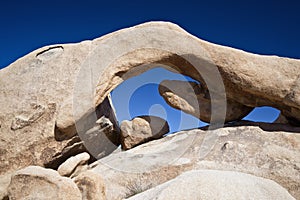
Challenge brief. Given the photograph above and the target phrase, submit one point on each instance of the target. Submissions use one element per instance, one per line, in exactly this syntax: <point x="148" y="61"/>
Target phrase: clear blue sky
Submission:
<point x="268" y="27"/>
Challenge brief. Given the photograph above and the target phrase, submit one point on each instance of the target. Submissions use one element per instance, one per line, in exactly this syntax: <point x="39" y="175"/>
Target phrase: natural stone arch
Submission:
<point x="141" y="53"/>
<point x="134" y="53"/>
<point x="139" y="61"/>
<point x="248" y="78"/>
<point x="44" y="94"/>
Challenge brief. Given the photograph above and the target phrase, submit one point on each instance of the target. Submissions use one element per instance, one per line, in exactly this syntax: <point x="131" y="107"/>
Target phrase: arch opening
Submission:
<point x="265" y="114"/>
<point x="139" y="96"/>
<point x="99" y="77"/>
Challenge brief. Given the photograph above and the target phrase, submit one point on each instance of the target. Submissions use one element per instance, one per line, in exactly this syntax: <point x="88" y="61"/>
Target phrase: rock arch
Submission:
<point x="250" y="80"/>
<point x="56" y="81"/>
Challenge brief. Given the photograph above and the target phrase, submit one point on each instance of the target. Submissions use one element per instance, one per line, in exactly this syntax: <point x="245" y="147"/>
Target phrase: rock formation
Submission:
<point x="142" y="129"/>
<point x="270" y="154"/>
<point x="73" y="164"/>
<point x="193" y="99"/>
<point x="38" y="183"/>
<point x="55" y="104"/>
<point x="91" y="186"/>
<point x="214" y="184"/>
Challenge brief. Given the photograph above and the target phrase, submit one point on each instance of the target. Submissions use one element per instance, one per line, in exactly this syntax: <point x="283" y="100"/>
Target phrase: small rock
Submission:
<point x="142" y="129"/>
<point x="91" y="186"/>
<point x="215" y="184"/>
<point x="35" y="182"/>
<point x="70" y="165"/>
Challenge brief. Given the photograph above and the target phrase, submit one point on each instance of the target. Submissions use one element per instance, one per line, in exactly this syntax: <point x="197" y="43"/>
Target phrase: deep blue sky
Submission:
<point x="268" y="27"/>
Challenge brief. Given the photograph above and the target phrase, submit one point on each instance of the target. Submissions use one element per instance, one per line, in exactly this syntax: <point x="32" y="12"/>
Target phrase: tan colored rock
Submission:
<point x="71" y="148"/>
<point x="36" y="182"/>
<point x="4" y="183"/>
<point x="26" y="119"/>
<point x="215" y="184"/>
<point x="70" y="165"/>
<point x="194" y="99"/>
<point x="142" y="129"/>
<point x="32" y="90"/>
<point x="91" y="186"/>
<point x="272" y="154"/>
<point x="65" y="124"/>
<point x="88" y="71"/>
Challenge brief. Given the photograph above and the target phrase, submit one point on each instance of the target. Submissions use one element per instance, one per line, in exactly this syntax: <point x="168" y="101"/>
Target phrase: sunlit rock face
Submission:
<point x="194" y="99"/>
<point x="54" y="104"/>
<point x="142" y="129"/>
<point x="36" y="182"/>
<point x="248" y="149"/>
<point x="215" y="184"/>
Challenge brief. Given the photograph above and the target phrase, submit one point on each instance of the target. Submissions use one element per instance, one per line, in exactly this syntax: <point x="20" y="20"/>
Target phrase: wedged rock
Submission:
<point x="91" y="186"/>
<point x="35" y="182"/>
<point x="66" y="125"/>
<point x="273" y="154"/>
<point x="215" y="184"/>
<point x="88" y="71"/>
<point x="72" y="147"/>
<point x="194" y="99"/>
<point x="142" y="129"/>
<point x="102" y="139"/>
<point x="73" y="163"/>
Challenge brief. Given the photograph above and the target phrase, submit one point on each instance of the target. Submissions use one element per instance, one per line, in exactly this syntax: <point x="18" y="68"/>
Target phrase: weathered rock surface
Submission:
<point x="66" y="126"/>
<point x="36" y="182"/>
<point x="71" y="148"/>
<point x="214" y="184"/>
<point x="91" y="186"/>
<point x="4" y="183"/>
<point x="73" y="163"/>
<point x="274" y="155"/>
<point x="37" y="90"/>
<point x="142" y="129"/>
<point x="194" y="99"/>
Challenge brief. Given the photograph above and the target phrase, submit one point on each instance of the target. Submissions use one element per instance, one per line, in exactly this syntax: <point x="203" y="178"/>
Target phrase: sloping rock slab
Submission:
<point x="273" y="155"/>
<point x="214" y="184"/>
